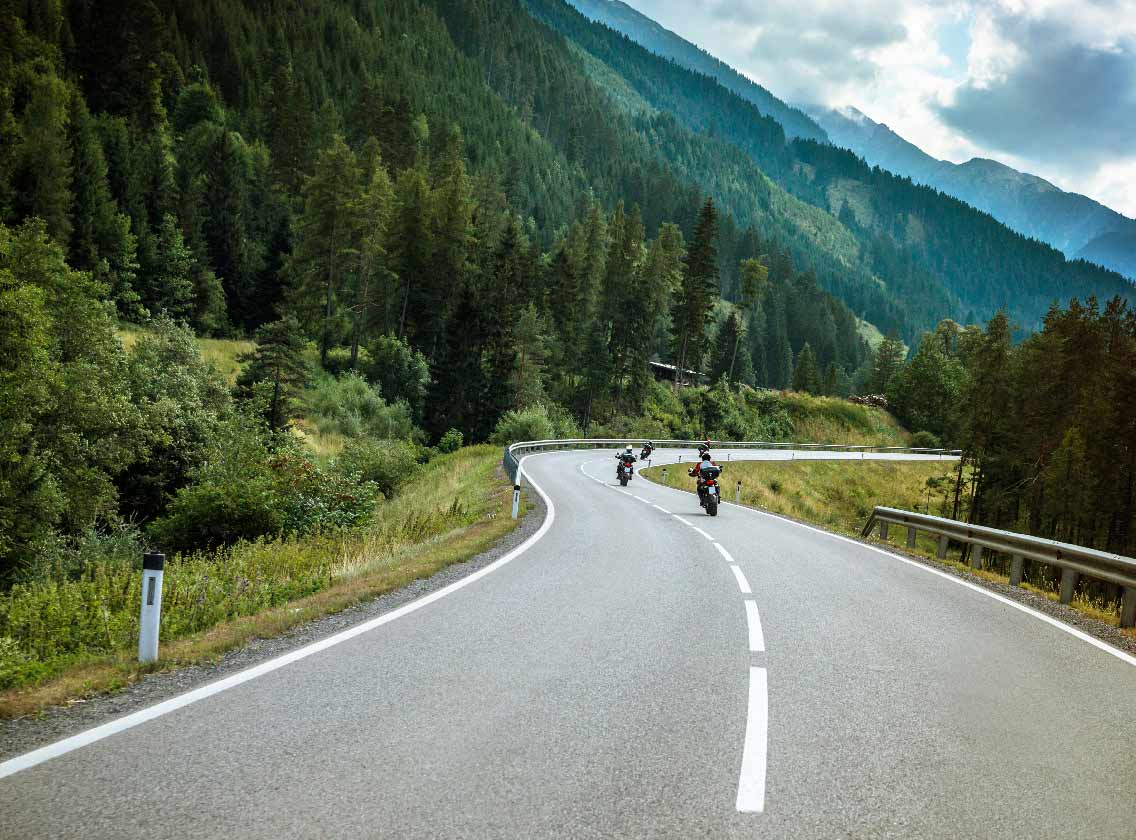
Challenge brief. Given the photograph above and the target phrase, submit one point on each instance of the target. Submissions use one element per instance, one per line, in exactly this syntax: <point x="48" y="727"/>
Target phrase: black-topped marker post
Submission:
<point x="516" y="497"/>
<point x="152" y="567"/>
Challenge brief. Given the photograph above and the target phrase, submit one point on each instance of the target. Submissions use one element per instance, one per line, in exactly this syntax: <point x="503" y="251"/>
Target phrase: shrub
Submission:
<point x="338" y="360"/>
<point x="400" y="371"/>
<point x="925" y="440"/>
<point x="532" y="423"/>
<point x="352" y="407"/>
<point x="451" y="441"/>
<point x="388" y="464"/>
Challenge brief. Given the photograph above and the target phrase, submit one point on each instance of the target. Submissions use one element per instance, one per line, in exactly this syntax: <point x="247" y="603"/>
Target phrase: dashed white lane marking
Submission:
<point x="756" y="637"/>
<point x="90" y="736"/>
<point x="751" y="782"/>
<point x="692" y="525"/>
<point x="722" y="550"/>
<point x="663" y="509"/>
<point x="743" y="584"/>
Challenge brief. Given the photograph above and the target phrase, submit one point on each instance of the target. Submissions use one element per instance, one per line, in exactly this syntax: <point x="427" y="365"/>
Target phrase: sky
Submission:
<point x="1045" y="86"/>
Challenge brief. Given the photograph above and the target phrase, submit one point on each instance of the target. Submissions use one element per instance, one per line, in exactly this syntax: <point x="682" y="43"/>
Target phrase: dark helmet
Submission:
<point x="650" y="444"/>
<point x="703" y="448"/>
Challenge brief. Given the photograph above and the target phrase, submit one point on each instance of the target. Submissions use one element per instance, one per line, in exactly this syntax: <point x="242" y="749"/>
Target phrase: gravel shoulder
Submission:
<point x="20" y="735"/>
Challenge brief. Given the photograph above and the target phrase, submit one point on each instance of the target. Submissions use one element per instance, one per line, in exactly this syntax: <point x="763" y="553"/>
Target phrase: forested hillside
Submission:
<point x="934" y="253"/>
<point x="428" y="219"/>
<point x="646" y="32"/>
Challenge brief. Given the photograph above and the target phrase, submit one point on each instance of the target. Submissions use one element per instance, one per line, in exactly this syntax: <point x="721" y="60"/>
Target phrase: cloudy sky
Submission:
<point x="1046" y="86"/>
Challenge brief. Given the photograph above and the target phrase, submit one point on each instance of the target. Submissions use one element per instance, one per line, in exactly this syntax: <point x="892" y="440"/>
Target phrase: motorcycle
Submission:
<point x="708" y="491"/>
<point x="624" y="471"/>
<point x="646" y="453"/>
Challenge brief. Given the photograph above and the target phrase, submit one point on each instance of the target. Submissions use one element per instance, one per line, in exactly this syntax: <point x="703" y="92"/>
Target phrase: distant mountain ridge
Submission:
<point x="1076" y="225"/>
<point x="661" y="41"/>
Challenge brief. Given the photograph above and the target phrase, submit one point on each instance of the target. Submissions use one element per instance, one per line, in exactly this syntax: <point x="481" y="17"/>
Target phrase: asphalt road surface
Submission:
<point x="637" y="669"/>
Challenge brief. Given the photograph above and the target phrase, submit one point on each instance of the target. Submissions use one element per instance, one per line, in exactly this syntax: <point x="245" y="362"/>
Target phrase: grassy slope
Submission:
<point x="457" y="507"/>
<point x="840" y="495"/>
<point x="835" y="420"/>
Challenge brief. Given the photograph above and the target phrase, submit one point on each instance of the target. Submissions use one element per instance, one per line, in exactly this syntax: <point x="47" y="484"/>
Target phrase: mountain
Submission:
<point x="1032" y="206"/>
<point x="929" y="254"/>
<point x="646" y="32"/>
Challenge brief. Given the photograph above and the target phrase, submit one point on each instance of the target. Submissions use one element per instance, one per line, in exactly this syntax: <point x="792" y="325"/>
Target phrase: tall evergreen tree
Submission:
<point x="275" y="372"/>
<point x="695" y="297"/>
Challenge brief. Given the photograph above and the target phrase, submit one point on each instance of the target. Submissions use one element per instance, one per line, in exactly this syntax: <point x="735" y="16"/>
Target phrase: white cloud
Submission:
<point x="1047" y="86"/>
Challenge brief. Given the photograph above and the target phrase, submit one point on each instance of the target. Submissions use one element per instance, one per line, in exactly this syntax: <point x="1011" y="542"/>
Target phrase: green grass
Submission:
<point x="838" y="495"/>
<point x="222" y="353"/>
<point x="835" y="420"/>
<point x="62" y="640"/>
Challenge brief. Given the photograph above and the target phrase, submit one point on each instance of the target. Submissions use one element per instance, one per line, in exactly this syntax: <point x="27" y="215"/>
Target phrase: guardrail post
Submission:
<point x="1068" y="584"/>
<point x="1128" y="607"/>
<point x="1016" y="564"/>
<point x="883" y="530"/>
<point x="911" y="532"/>
<point x="153" y="566"/>
<point x="975" y="556"/>
<point x="941" y="552"/>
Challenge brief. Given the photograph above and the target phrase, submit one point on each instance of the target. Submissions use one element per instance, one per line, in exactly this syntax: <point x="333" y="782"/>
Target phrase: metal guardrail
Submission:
<point x="1073" y="560"/>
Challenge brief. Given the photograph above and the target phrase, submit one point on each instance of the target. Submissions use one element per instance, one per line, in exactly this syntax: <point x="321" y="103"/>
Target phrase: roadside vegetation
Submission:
<point x="64" y="637"/>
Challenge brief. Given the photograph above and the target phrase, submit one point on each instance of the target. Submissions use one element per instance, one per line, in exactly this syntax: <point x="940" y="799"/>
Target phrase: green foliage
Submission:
<point x="352" y="407"/>
<point x="275" y="372"/>
<point x="806" y="377"/>
<point x="388" y="464"/>
<point x="925" y="440"/>
<point x="537" y="422"/>
<point x="69" y="424"/>
<point x="451" y="441"/>
<point x="400" y="371"/>
<point x="244" y="492"/>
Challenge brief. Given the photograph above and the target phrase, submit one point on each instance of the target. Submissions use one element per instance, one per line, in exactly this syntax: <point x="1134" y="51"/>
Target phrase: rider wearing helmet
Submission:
<point x="627" y="456"/>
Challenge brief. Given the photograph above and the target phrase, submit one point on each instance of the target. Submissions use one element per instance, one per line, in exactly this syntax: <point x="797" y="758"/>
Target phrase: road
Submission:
<point x="639" y="670"/>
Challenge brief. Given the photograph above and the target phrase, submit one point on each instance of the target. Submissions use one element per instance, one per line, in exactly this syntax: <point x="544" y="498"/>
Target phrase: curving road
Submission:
<point x="636" y="669"/>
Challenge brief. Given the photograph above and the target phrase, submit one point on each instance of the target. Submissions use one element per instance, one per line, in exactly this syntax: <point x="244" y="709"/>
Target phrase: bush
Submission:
<point x="352" y="407"/>
<point x="338" y="360"/>
<point x="531" y="423"/>
<point x="925" y="440"/>
<point x="451" y="441"/>
<point x="388" y="464"/>
<point x="245" y="492"/>
<point x="400" y="371"/>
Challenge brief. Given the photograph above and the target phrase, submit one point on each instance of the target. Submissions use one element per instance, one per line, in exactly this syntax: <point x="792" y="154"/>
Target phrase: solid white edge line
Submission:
<point x="692" y="525"/>
<point x="751" y="779"/>
<point x="722" y="550"/>
<point x="90" y="736"/>
<point x="663" y="509"/>
<point x="753" y="621"/>
<point x="743" y="584"/>
<point x="1009" y="602"/>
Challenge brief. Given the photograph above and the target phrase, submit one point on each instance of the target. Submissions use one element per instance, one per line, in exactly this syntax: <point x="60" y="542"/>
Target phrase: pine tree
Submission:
<point x="45" y="155"/>
<point x="276" y="372"/>
<point x="889" y="361"/>
<point x="372" y="280"/>
<point x="695" y="297"/>
<point x="326" y="235"/>
<point x="411" y="246"/>
<point x="806" y="376"/>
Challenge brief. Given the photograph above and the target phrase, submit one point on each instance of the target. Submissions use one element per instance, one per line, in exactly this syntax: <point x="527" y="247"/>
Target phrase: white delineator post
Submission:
<point x="516" y="499"/>
<point x="152" y="567"/>
<point x="738" y="494"/>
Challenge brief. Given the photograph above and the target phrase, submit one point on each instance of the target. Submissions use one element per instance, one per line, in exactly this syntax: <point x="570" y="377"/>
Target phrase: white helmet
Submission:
<point x="628" y="449"/>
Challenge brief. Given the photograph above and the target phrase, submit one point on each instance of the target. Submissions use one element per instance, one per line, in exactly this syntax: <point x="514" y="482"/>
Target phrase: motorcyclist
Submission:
<point x="648" y="448"/>
<point x="627" y="456"/>
<point x="695" y="472"/>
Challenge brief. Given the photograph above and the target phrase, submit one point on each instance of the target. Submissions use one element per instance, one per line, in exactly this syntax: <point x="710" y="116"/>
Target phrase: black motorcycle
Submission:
<point x="708" y="491"/>
<point x="625" y="470"/>
<point x="646" y="453"/>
